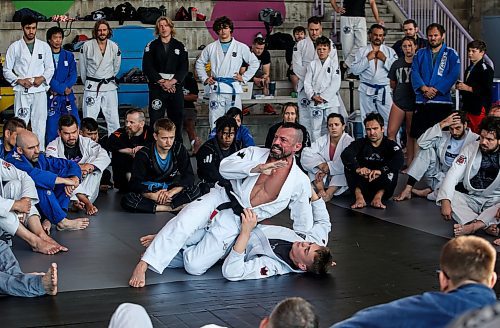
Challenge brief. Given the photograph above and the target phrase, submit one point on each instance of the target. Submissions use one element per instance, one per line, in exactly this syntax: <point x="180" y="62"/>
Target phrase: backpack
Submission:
<point x="125" y="12"/>
<point x="182" y="15"/>
<point x="103" y="13"/>
<point x="149" y="15"/>
<point x="19" y="14"/>
<point x="271" y="17"/>
<point x="279" y="41"/>
<point x="76" y="44"/>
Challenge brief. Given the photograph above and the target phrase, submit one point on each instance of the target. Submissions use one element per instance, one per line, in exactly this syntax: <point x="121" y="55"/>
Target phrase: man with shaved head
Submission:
<point x="55" y="180"/>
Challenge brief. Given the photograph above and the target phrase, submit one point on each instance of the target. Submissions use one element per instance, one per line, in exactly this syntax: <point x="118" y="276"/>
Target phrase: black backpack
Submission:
<point x="279" y="41"/>
<point x="149" y="15"/>
<point x="270" y="18"/>
<point x="103" y="13"/>
<point x="125" y="12"/>
<point x="19" y="14"/>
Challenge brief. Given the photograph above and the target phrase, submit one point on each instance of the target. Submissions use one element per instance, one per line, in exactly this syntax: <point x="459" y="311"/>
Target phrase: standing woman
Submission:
<point x="322" y="160"/>
<point x="403" y="104"/>
<point x="165" y="63"/>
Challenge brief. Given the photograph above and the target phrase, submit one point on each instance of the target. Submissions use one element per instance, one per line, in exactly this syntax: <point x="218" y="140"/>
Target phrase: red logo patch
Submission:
<point x="7" y="165"/>
<point x="263" y="271"/>
<point x="461" y="160"/>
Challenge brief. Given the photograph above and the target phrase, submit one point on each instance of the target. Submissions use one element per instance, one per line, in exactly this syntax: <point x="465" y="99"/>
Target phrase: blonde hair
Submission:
<point x="169" y="23"/>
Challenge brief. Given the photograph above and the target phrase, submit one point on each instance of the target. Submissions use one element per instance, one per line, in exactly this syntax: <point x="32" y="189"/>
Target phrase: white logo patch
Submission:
<point x="156" y="104"/>
<point x="177" y="51"/>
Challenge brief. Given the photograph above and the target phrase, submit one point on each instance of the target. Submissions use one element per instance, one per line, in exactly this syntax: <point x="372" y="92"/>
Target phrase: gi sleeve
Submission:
<point x="321" y="225"/>
<point x="98" y="156"/>
<point x="483" y="84"/>
<point x="246" y="136"/>
<point x="395" y="159"/>
<point x="64" y="168"/>
<point x="10" y="62"/>
<point x="417" y="80"/>
<point x="390" y="59"/>
<point x="311" y="157"/>
<point x="349" y="154"/>
<point x="360" y="63"/>
<point x="51" y="149"/>
<point x="48" y="64"/>
<point x="72" y="74"/>
<point x="82" y="60"/>
<point x="117" y="61"/>
<point x="239" y="164"/>
<point x="253" y="64"/>
<point x="182" y="65"/>
<point x="308" y="80"/>
<point x="207" y="161"/>
<point x="115" y="143"/>
<point x="235" y="268"/>
<point x="430" y="137"/>
<point x="298" y="68"/>
<point x="456" y="173"/>
<point x="5" y="206"/>
<point x="185" y="168"/>
<point x="42" y="179"/>
<point x="148" y="64"/>
<point x="139" y="173"/>
<point x="300" y="206"/>
<point x="201" y="62"/>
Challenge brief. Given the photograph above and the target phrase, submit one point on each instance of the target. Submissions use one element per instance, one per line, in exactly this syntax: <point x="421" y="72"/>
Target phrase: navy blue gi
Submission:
<point x="53" y="202"/>
<point x="60" y="104"/>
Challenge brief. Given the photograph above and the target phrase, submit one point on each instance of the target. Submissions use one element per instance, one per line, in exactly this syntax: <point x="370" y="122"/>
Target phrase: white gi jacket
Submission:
<point x="323" y="80"/>
<point x="368" y="73"/>
<point x="304" y="52"/>
<point x="92" y="152"/>
<point x="463" y="169"/>
<point x="319" y="152"/>
<point x="294" y="194"/>
<point x="226" y="66"/>
<point x="20" y="64"/>
<point x="94" y="64"/>
<point x="9" y="172"/>
<point x="259" y="260"/>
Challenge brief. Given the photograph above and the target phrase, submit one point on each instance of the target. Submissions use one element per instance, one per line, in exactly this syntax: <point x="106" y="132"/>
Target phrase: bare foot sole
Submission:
<point x="138" y="278"/>
<point x="492" y="230"/>
<point x="377" y="203"/>
<point x="45" y="247"/>
<point x="49" y="280"/>
<point x="75" y="224"/>
<point x="463" y="229"/>
<point x="404" y="195"/>
<point x="421" y="192"/>
<point x="146" y="240"/>
<point x="91" y="209"/>
<point x="496" y="242"/>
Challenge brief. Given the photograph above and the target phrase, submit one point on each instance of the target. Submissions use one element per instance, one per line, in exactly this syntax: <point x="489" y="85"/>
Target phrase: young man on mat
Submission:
<point x="466" y="279"/>
<point x="265" y="180"/>
<point x="372" y="164"/>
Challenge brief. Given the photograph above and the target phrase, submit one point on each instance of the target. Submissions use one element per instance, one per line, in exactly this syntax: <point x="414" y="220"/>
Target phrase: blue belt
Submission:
<point x="377" y="87"/>
<point x="226" y="80"/>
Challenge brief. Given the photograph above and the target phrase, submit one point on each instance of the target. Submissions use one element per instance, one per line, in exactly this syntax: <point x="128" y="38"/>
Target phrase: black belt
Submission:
<point x="102" y="81"/>
<point x="233" y="202"/>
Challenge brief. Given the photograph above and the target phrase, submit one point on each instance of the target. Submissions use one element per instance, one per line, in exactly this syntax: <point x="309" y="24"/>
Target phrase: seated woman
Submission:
<point x="243" y="134"/>
<point x="322" y="160"/>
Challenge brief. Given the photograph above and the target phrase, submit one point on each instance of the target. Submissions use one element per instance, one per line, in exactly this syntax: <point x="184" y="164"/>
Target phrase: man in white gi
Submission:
<point x="100" y="60"/>
<point x="372" y="64"/>
<point x="262" y="251"/>
<point x="478" y="168"/>
<point x="29" y="68"/>
<point x="438" y="150"/>
<point x="321" y="85"/>
<point x="18" y="214"/>
<point x="267" y="181"/>
<point x="303" y="54"/>
<point x="226" y="55"/>
<point x="90" y="156"/>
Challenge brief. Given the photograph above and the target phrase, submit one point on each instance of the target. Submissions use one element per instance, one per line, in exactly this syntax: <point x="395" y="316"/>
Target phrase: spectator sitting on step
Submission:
<point x="10" y="130"/>
<point x="262" y="77"/>
<point x="299" y="33"/>
<point x="124" y="144"/>
<point x="243" y="134"/>
<point x="466" y="279"/>
<point x="162" y="177"/>
<point x="214" y="150"/>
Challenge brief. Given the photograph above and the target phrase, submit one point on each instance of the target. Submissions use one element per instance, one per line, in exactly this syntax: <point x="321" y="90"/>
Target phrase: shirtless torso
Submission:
<point x="268" y="186"/>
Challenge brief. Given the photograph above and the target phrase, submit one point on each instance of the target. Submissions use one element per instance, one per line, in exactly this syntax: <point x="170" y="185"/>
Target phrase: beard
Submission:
<point x="280" y="155"/>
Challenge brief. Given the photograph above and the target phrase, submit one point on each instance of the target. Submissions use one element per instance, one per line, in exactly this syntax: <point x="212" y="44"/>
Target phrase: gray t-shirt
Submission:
<point x="403" y="94"/>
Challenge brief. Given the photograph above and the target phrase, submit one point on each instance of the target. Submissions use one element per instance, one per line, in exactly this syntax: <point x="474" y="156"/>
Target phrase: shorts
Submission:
<point x="426" y="115"/>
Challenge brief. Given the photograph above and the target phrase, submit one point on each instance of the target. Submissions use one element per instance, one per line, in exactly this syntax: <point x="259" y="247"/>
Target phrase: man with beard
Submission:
<point x="434" y="71"/>
<point x="89" y="155"/>
<point x="477" y="167"/>
<point x="438" y="150"/>
<point x="124" y="143"/>
<point x="410" y="29"/>
<point x="10" y="130"/>
<point x="55" y="179"/>
<point x="372" y="63"/>
<point x="372" y="164"/>
<point x="303" y="54"/>
<point x="29" y="68"/>
<point x="162" y="178"/>
<point x="267" y="181"/>
<point x="214" y="150"/>
<point x="100" y="60"/>
<point x="165" y="63"/>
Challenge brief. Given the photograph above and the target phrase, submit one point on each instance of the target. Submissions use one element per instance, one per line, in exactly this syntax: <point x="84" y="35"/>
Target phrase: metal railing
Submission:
<point x="425" y="12"/>
<point x="318" y="8"/>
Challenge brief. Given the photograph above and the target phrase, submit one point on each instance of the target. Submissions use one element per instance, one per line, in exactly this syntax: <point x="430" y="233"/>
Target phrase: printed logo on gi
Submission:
<point x="213" y="105"/>
<point x="263" y="271"/>
<point x="461" y="160"/>
<point x="156" y="104"/>
<point x="89" y="101"/>
<point x="234" y="54"/>
<point x="52" y="110"/>
<point x="347" y="30"/>
<point x="390" y="176"/>
<point x="241" y="154"/>
<point x="177" y="51"/>
<point x="6" y="165"/>
<point x="40" y="56"/>
<point x="304" y="102"/>
<point x="22" y="112"/>
<point x="316" y="113"/>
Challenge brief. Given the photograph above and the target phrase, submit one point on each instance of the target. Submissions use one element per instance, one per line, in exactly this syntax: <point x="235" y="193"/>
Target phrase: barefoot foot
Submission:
<point x="138" y="278"/>
<point x="45" y="247"/>
<point x="46" y="226"/>
<point x="421" y="192"/>
<point x="496" y="241"/>
<point x="146" y="240"/>
<point x="90" y="209"/>
<point x="359" y="203"/>
<point x="463" y="229"/>
<point x="76" y="206"/>
<point x="49" y="280"/>
<point x="377" y="203"/>
<point x="74" y="224"/>
<point x="53" y="242"/>
<point x="405" y="194"/>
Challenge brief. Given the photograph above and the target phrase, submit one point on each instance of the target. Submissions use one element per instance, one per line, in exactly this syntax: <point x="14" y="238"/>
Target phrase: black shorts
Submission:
<point x="426" y="115"/>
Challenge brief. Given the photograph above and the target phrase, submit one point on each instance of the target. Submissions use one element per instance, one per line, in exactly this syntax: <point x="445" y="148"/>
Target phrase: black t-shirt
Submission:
<point x="488" y="171"/>
<point x="282" y="249"/>
<point x="264" y="59"/>
<point x="354" y="8"/>
<point x="73" y="153"/>
<point x="403" y="95"/>
<point x="190" y="86"/>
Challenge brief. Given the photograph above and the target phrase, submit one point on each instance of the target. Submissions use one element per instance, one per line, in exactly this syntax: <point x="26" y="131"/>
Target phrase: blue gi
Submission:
<point x="60" y="104"/>
<point x="243" y="135"/>
<point x="432" y="309"/>
<point x="53" y="200"/>
<point x="441" y="75"/>
<point x="12" y="280"/>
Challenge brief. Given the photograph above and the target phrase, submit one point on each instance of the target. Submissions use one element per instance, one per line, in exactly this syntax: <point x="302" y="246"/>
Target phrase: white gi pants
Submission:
<point x="305" y="117"/>
<point x="32" y="107"/>
<point x="105" y="100"/>
<point x="89" y="186"/>
<point x="426" y="165"/>
<point x="219" y="104"/>
<point x="352" y="36"/>
<point x="318" y="119"/>
<point x="129" y="315"/>
<point x="467" y="208"/>
<point x="10" y="223"/>
<point x="374" y="103"/>
<point x="190" y="227"/>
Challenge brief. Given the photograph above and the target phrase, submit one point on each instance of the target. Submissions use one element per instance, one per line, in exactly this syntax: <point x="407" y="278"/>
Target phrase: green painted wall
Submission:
<point x="45" y="7"/>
